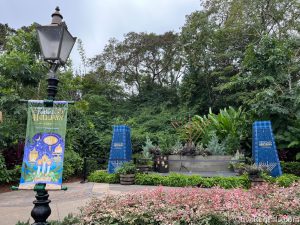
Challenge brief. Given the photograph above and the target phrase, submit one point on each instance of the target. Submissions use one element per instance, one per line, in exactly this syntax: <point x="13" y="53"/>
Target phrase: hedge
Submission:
<point x="181" y="180"/>
<point x="174" y="180"/>
<point x="101" y="176"/>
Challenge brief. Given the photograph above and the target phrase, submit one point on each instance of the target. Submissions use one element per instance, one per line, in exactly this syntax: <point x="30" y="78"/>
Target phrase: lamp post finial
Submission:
<point x="56" y="17"/>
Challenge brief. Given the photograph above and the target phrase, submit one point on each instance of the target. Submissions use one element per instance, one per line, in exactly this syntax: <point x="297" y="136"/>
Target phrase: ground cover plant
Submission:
<point x="267" y="203"/>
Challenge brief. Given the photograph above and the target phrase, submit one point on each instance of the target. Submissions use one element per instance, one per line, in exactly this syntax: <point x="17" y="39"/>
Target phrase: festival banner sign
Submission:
<point x="45" y="144"/>
<point x="264" y="151"/>
<point x="120" y="150"/>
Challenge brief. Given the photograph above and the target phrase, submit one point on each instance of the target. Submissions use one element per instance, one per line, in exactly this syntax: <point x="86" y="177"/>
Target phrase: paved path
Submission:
<point x="16" y="206"/>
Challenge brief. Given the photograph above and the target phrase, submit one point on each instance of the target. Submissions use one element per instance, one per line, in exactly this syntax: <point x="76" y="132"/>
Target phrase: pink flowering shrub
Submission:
<point x="267" y="203"/>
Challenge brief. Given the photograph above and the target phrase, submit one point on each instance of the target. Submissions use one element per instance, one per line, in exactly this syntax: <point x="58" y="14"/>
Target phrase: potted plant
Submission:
<point x="255" y="175"/>
<point x="144" y="160"/>
<point x="127" y="173"/>
<point x="162" y="160"/>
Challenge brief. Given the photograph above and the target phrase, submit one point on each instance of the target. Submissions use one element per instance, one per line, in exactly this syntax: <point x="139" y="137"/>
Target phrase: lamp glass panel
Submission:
<point x="49" y="37"/>
<point x="66" y="46"/>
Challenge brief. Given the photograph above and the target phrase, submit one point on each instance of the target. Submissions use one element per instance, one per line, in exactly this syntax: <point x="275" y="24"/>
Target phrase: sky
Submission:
<point x="96" y="21"/>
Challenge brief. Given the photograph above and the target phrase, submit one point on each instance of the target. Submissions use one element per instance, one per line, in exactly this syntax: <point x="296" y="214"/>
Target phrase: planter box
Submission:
<point x="127" y="179"/>
<point x="196" y="164"/>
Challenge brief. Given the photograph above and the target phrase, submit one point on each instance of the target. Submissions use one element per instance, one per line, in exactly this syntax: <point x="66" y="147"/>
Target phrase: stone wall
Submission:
<point x="196" y="164"/>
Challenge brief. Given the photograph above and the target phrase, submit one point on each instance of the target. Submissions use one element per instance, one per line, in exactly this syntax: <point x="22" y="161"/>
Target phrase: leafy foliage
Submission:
<point x="101" y="176"/>
<point x="4" y="174"/>
<point x="291" y="168"/>
<point x="126" y="168"/>
<point x="72" y="164"/>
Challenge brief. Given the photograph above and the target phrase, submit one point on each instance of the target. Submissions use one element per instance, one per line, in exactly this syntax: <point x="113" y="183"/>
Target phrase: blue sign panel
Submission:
<point x="264" y="150"/>
<point x="120" y="149"/>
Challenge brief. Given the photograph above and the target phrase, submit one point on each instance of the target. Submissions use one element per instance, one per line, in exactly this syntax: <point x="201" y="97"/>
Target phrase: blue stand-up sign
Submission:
<point x="120" y="150"/>
<point x="264" y="150"/>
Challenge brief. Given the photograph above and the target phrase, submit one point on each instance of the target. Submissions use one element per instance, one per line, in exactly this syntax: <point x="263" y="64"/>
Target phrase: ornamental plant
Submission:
<point x="259" y="205"/>
<point x="127" y="168"/>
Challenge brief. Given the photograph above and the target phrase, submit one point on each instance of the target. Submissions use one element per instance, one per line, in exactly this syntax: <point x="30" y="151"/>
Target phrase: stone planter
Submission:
<point x="198" y="164"/>
<point x="127" y="179"/>
<point x="161" y="164"/>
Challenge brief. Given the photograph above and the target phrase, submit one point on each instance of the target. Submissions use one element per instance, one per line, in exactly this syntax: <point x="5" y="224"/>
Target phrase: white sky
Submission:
<point x="96" y="21"/>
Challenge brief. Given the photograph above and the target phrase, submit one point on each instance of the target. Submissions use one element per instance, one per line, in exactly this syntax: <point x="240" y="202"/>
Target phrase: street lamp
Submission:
<point x="56" y="44"/>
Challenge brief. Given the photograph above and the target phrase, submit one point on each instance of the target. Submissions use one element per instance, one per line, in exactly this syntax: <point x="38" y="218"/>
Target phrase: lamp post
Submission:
<point x="56" y="44"/>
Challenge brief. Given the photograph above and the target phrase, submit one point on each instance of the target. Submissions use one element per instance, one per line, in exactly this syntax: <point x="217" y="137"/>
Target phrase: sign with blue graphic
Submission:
<point x="264" y="150"/>
<point x="120" y="150"/>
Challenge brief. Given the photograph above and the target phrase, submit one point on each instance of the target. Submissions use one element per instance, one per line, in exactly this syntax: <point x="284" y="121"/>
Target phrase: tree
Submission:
<point x="143" y="58"/>
<point x="5" y="31"/>
<point x="216" y="38"/>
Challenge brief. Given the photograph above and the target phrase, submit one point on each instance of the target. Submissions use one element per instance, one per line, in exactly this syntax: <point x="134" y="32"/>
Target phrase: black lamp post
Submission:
<point x="56" y="44"/>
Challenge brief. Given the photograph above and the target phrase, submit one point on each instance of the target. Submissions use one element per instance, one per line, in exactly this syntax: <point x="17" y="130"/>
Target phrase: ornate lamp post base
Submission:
<point x="41" y="210"/>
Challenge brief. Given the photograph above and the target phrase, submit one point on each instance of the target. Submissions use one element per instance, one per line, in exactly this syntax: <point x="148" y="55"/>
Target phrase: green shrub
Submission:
<point x="181" y="180"/>
<point x="72" y="164"/>
<point x="15" y="173"/>
<point x="226" y="182"/>
<point x="286" y="180"/>
<point x="150" y="179"/>
<point x="126" y="168"/>
<point x="291" y="167"/>
<point x="4" y="173"/>
<point x="101" y="176"/>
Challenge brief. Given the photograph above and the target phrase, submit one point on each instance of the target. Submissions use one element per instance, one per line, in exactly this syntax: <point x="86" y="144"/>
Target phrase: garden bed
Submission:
<point x="267" y="203"/>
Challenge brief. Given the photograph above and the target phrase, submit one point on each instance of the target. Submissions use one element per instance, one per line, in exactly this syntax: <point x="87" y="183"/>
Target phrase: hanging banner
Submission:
<point x="120" y="150"/>
<point x="44" y="145"/>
